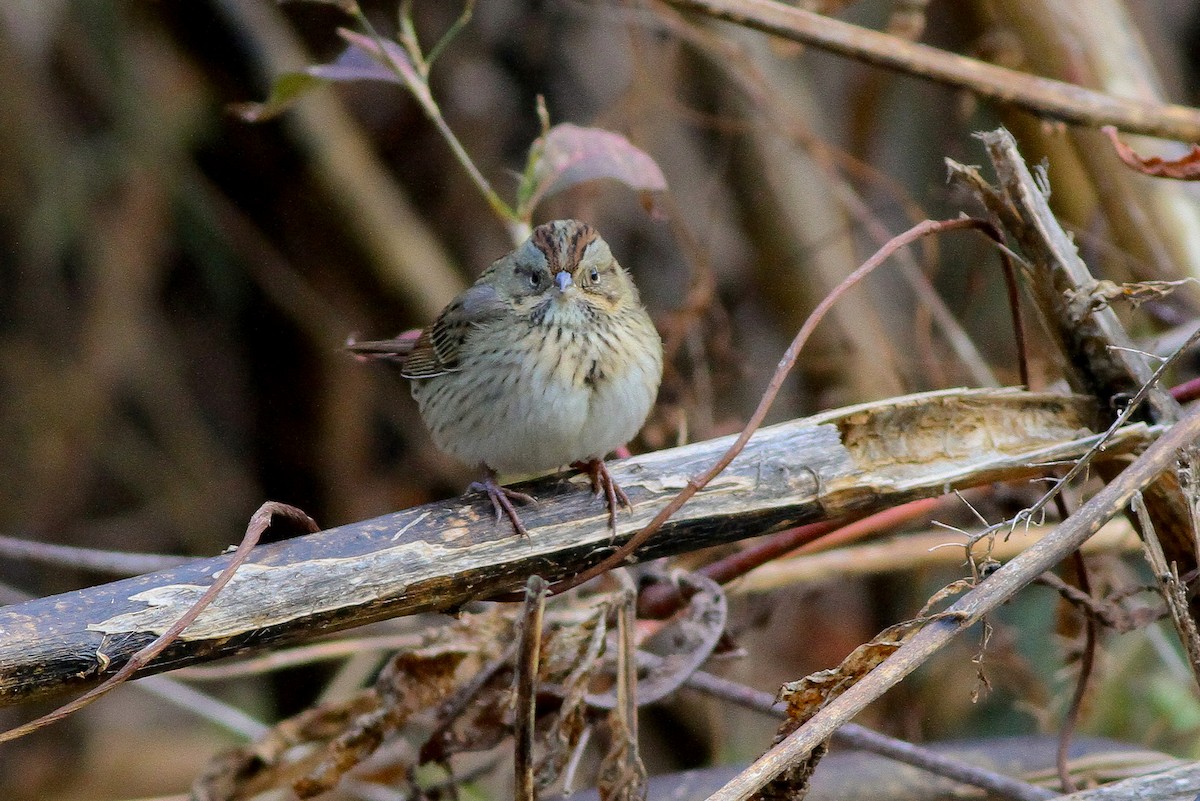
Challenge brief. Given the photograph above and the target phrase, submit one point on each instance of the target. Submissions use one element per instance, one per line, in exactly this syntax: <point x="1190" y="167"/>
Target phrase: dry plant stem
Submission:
<point x="203" y="705"/>
<point x="961" y="615"/>
<point x="408" y="258"/>
<point x="928" y="550"/>
<point x="1042" y="96"/>
<point x="753" y="81"/>
<point x="259" y="522"/>
<point x="303" y="655"/>
<point x="852" y="735"/>
<point x="1086" y="661"/>
<point x="782" y="370"/>
<point x="417" y="82"/>
<point x="1176" y="784"/>
<point x="1094" y="350"/>
<point x="1172" y="587"/>
<point x="661" y="600"/>
<point x="527" y="673"/>
<point x="1187" y="391"/>
<point x="114" y="562"/>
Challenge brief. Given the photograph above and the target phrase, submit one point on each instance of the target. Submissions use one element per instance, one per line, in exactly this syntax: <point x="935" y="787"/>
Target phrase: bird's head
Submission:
<point x="563" y="272"/>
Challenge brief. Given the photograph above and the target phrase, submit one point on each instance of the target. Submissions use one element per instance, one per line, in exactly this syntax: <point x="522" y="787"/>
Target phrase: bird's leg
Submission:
<point x="502" y="499"/>
<point x="603" y="482"/>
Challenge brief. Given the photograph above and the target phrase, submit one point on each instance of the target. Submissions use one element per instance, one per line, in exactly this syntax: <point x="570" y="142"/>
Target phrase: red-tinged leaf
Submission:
<point x="391" y="56"/>
<point x="1185" y="168"/>
<point x="354" y="64"/>
<point x="286" y="89"/>
<point x="572" y="155"/>
<point x="358" y="62"/>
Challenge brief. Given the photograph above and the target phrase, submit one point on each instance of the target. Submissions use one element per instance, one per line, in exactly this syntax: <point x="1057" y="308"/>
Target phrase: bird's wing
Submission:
<point x="436" y="351"/>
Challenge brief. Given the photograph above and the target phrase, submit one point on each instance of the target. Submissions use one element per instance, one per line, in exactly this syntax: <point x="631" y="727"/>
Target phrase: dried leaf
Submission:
<point x="262" y="765"/>
<point x="568" y="155"/>
<point x="1185" y="168"/>
<point x="412" y="682"/>
<point x="312" y="750"/>
<point x="792" y="783"/>
<point x="810" y="694"/>
<point x="1103" y="293"/>
<point x="573" y="650"/>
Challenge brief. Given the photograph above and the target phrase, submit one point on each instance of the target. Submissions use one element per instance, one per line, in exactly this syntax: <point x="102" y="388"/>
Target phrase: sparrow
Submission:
<point x="548" y="360"/>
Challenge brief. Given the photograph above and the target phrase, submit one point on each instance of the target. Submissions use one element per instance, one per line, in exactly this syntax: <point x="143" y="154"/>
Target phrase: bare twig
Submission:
<point x="114" y="562"/>
<point x="854" y="736"/>
<point x="527" y="674"/>
<point x="1042" y="96"/>
<point x="1086" y="661"/>
<point x="1172" y="587"/>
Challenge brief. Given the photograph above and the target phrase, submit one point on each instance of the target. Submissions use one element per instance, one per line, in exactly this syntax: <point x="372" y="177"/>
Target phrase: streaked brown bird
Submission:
<point x="548" y="360"/>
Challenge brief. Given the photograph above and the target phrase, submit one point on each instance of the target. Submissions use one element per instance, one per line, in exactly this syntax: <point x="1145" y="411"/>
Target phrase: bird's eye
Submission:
<point x="595" y="275"/>
<point x="535" y="280"/>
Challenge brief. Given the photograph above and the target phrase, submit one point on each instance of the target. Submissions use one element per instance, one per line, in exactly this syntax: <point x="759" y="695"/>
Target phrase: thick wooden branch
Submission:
<point x="440" y="556"/>
<point x="1178" y="784"/>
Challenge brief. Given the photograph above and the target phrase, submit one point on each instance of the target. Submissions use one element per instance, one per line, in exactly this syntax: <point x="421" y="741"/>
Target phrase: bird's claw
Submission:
<point x="604" y="484"/>
<point x="502" y="498"/>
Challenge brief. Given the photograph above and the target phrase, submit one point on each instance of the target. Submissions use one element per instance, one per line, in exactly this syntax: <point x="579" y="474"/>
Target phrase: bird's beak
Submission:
<point x="564" y="280"/>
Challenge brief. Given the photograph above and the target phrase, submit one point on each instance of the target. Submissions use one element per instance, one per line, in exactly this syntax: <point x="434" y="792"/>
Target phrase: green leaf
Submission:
<point x="287" y="88"/>
<point x="568" y="155"/>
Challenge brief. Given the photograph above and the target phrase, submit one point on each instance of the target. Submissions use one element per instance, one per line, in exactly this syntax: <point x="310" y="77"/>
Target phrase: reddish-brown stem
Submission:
<point x="1014" y="306"/>
<point x="782" y="370"/>
<point x="1086" y="660"/>
<point x="1187" y="391"/>
<point x="661" y="600"/>
<point x="259" y="522"/>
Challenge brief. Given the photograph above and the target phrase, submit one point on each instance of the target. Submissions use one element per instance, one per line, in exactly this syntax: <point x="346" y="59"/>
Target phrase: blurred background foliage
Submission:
<point x="176" y="285"/>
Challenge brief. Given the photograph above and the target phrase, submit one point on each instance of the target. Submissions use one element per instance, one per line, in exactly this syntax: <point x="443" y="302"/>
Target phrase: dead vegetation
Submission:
<point x="186" y="263"/>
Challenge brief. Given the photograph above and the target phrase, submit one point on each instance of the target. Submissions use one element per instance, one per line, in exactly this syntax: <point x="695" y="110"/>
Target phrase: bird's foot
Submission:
<point x="604" y="483"/>
<point x="502" y="498"/>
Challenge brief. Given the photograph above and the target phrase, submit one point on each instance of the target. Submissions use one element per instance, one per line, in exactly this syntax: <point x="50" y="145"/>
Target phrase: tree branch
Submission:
<point x="440" y="556"/>
<point x="1042" y="96"/>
